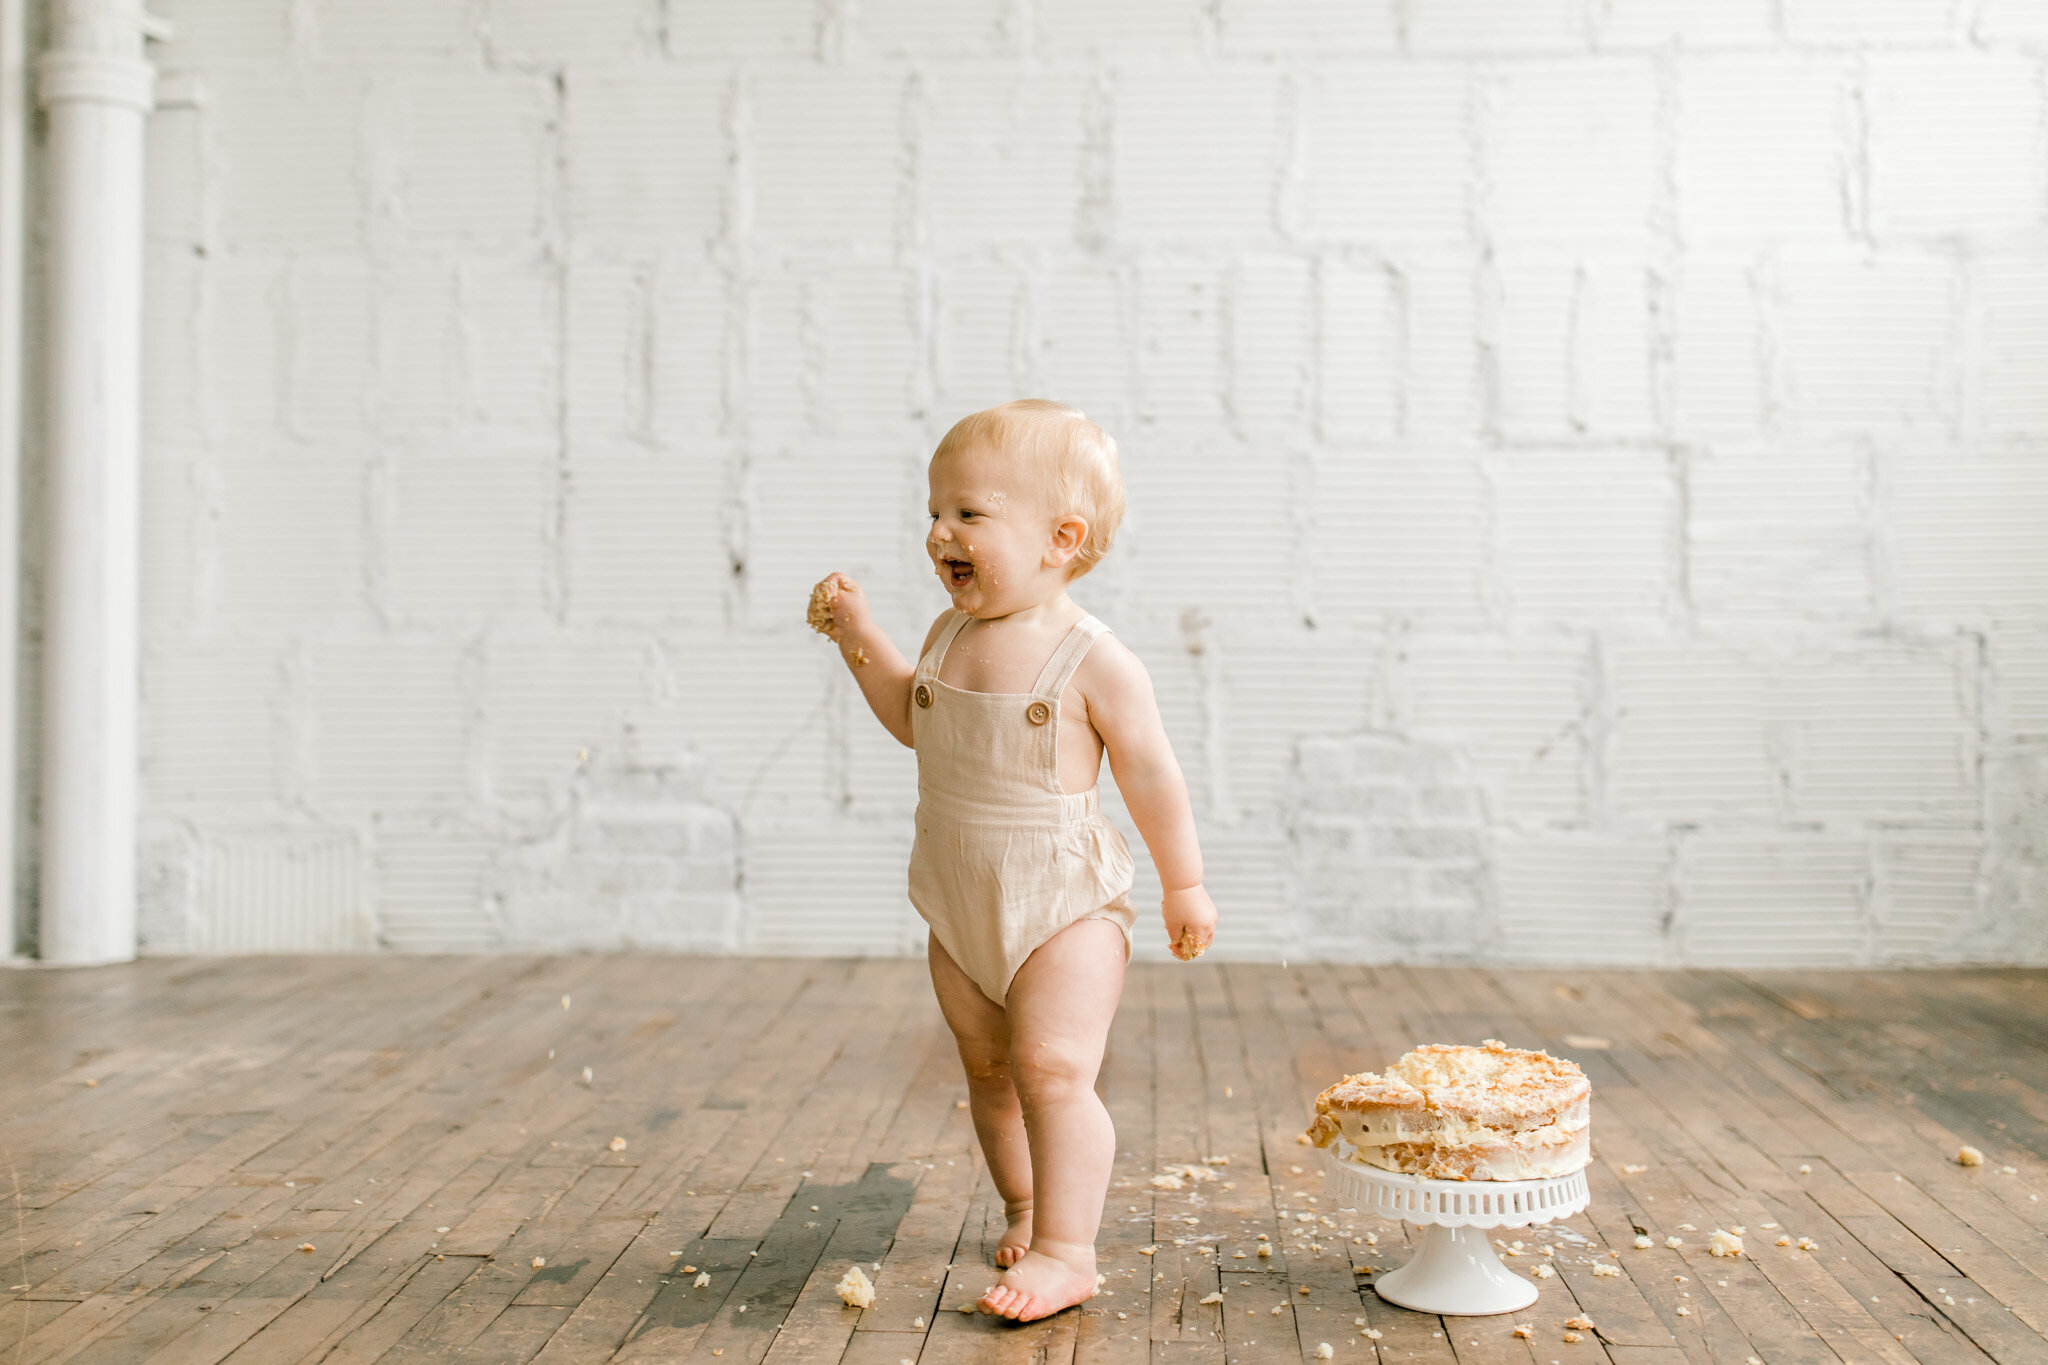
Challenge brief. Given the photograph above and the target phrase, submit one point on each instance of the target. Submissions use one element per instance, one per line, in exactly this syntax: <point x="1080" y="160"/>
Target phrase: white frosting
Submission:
<point x="1451" y="1130"/>
<point x="1494" y="1161"/>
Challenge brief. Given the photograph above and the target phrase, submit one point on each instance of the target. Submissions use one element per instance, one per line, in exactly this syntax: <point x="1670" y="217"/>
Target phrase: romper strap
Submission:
<point x="936" y="655"/>
<point x="1060" y="667"/>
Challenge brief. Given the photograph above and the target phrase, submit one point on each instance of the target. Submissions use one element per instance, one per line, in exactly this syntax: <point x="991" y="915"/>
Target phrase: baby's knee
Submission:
<point x="1050" y="1070"/>
<point x="987" y="1071"/>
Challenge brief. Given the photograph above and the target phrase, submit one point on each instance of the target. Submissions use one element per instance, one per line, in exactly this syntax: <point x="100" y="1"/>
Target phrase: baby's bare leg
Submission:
<point x="1060" y="1006"/>
<point x="981" y="1030"/>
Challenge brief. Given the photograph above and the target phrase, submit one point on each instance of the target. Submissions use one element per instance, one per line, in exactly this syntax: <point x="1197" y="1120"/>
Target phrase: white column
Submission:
<point x="97" y="88"/>
<point x="13" y="157"/>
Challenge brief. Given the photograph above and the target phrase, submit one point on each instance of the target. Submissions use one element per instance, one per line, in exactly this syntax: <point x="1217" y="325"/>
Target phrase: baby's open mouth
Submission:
<point x="956" y="571"/>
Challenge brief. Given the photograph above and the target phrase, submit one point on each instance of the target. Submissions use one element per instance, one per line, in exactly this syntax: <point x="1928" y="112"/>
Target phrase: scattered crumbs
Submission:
<point x="1687" y="1227"/>
<point x="1265" y="1248"/>
<point x="1643" y="1242"/>
<point x="617" y="1144"/>
<point x="1581" y="1322"/>
<point x="1323" y="1351"/>
<point x="1674" y="1242"/>
<point x="305" y="1246"/>
<point x="539" y="1261"/>
<point x="565" y="1002"/>
<point x="1805" y="1169"/>
<point x="917" y="1322"/>
<point x="1211" y="1297"/>
<point x="959" y="1104"/>
<point x="702" y="1281"/>
<point x="1683" y="1311"/>
<point x="1542" y="1270"/>
<point x="1808" y="1244"/>
<point x="1605" y="1269"/>
<point x="1721" y="1243"/>
<point x="1969" y="1156"/>
<point x="1278" y="1309"/>
<point x="1152" y="1250"/>
<point x="1571" y="1336"/>
<point x="1371" y="1334"/>
<point x="1633" y="1170"/>
<point x="1525" y="1330"/>
<point x="1769" y="1226"/>
<point x="859" y="656"/>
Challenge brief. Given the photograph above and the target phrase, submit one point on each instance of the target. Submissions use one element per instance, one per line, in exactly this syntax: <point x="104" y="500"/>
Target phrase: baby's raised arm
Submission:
<point x="839" y="609"/>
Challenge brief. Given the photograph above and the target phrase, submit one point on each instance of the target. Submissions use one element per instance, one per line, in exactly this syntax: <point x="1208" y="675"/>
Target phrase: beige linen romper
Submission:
<point x="1003" y="858"/>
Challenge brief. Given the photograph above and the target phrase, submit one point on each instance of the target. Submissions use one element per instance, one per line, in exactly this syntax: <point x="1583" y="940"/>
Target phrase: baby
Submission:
<point x="1016" y="695"/>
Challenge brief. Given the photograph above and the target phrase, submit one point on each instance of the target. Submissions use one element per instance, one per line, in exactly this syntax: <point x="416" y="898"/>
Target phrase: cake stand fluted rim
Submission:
<point x="1396" y="1195"/>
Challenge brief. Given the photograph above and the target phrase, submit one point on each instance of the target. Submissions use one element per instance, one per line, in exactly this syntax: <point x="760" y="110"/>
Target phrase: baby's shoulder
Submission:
<point x="1110" y="670"/>
<point x="931" y="636"/>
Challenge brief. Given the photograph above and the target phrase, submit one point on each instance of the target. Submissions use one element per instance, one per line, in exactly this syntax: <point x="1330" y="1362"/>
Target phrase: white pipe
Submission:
<point x="13" y="155"/>
<point x="98" y="89"/>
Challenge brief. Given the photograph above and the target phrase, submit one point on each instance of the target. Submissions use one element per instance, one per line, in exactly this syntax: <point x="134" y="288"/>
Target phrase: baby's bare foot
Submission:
<point x="1017" y="1236"/>
<point x="1039" y="1285"/>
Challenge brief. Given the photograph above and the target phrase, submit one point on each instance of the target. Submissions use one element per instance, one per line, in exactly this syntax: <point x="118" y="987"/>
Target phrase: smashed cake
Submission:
<point x="1452" y="1112"/>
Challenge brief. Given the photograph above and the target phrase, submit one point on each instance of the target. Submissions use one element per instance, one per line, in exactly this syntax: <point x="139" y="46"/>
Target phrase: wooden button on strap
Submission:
<point x="923" y="694"/>
<point x="1038" y="713"/>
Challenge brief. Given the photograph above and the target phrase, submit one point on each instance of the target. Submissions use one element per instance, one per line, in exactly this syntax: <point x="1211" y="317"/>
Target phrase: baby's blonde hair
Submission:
<point x="1073" y="460"/>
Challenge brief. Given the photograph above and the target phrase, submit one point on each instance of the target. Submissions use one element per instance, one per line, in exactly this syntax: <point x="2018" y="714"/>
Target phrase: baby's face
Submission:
<point x="991" y="535"/>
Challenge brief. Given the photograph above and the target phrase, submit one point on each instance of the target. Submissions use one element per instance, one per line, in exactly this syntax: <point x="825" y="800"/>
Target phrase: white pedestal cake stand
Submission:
<point x="1454" y="1269"/>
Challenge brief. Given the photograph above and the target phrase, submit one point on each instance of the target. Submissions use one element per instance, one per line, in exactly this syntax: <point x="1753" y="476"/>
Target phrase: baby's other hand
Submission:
<point x="1190" y="922"/>
<point x="837" y="606"/>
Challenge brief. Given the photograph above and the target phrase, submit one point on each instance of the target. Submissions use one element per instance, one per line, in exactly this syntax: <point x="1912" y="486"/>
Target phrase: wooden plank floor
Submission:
<point x="647" y="1158"/>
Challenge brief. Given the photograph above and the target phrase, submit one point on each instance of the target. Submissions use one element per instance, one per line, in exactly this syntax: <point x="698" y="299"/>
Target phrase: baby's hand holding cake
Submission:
<point x="1190" y="922"/>
<point x="839" y="609"/>
<point x="1447" y="1112"/>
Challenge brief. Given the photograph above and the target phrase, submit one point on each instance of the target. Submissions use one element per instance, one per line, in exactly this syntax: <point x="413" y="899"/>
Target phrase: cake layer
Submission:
<point x="1478" y="1160"/>
<point x="1493" y="1085"/>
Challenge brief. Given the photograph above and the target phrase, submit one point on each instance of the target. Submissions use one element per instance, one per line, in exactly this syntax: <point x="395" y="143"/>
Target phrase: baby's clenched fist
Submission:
<point x="837" y="606"/>
<point x="1190" y="922"/>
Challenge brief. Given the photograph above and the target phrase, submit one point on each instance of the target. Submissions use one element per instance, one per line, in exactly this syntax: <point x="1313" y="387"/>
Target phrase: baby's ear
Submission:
<point x="1069" y="533"/>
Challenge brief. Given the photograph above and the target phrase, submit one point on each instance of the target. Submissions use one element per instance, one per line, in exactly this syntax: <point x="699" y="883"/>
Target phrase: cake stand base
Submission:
<point x="1455" y="1270"/>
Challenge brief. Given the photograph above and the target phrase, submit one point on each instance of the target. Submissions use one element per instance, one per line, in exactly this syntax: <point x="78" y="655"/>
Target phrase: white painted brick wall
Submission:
<point x="1587" y="461"/>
